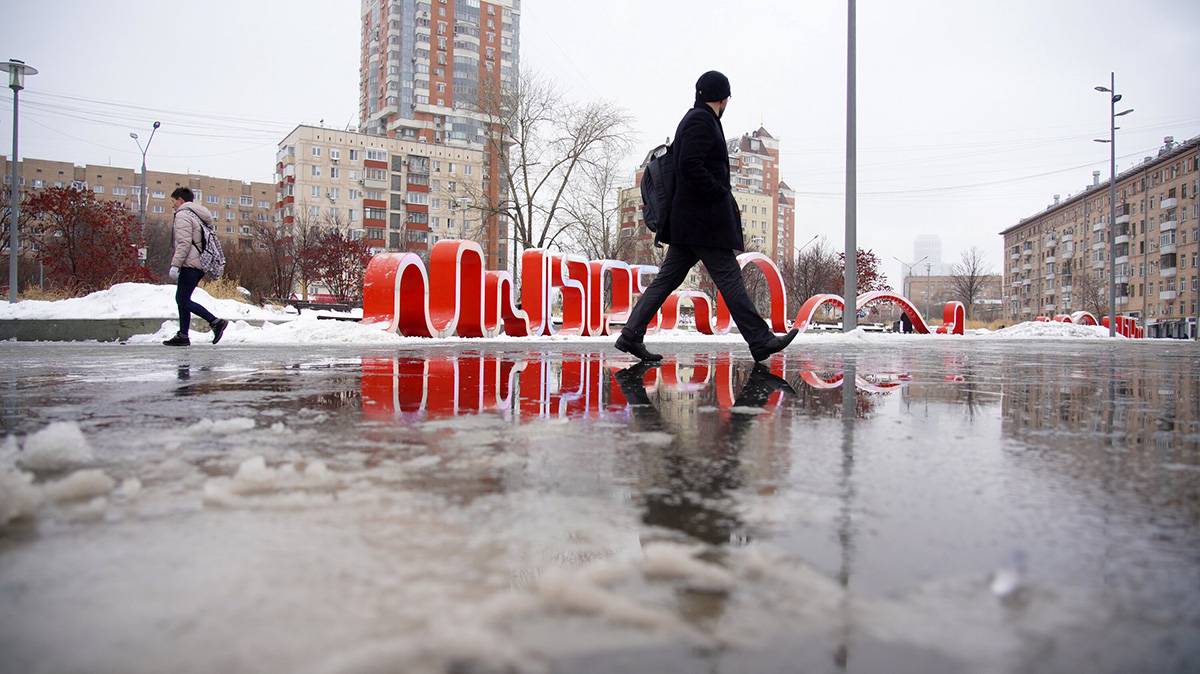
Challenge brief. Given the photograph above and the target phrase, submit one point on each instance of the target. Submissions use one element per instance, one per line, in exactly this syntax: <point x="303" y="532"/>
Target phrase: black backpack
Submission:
<point x="658" y="187"/>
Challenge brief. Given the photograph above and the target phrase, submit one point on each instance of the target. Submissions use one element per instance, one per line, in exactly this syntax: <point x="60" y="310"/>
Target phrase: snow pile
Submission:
<point x="306" y="329"/>
<point x="133" y="300"/>
<point x="19" y="497"/>
<point x="1050" y="330"/>
<point x="221" y="426"/>
<point x="56" y="447"/>
<point x="80" y="485"/>
<point x="255" y="478"/>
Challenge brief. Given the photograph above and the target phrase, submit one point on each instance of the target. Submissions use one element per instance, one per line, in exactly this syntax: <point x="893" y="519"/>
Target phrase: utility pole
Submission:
<point x="850" y="279"/>
<point x="143" y="197"/>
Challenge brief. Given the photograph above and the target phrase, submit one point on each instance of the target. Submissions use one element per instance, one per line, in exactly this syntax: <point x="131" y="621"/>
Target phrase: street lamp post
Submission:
<point x="908" y="272"/>
<point x="17" y="70"/>
<point x="142" y="197"/>
<point x="1113" y="98"/>
<point x="850" y="278"/>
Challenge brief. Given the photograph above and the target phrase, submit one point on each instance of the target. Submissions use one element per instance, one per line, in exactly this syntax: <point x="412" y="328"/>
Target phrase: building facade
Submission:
<point x="931" y="293"/>
<point x="237" y="206"/>
<point x="432" y="71"/>
<point x="1058" y="261"/>
<point x="396" y="194"/>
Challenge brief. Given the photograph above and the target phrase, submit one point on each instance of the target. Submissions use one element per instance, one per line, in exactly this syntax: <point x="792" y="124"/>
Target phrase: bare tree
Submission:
<point x="1092" y="292"/>
<point x="593" y="209"/>
<point x="277" y="243"/>
<point x="543" y="141"/>
<point x="969" y="277"/>
<point x="814" y="271"/>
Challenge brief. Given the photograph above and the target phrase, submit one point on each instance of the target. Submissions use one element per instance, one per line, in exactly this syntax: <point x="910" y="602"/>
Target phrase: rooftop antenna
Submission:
<point x="322" y="123"/>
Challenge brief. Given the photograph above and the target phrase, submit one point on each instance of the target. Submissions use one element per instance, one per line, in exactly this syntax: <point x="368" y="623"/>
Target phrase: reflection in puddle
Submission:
<point x="585" y="385"/>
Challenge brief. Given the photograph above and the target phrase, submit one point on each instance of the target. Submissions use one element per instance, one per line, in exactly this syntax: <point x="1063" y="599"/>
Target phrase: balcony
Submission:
<point x="1168" y="225"/>
<point x="1121" y="259"/>
<point x="1099" y="245"/>
<point x="1024" y="310"/>
<point x="1167" y="249"/>
<point x="1122" y="300"/>
<point x="1027" y="252"/>
<point x="1098" y="227"/>
<point x="1120" y="239"/>
<point x="1028" y="266"/>
<point x="1049" y="307"/>
<point x="1122" y="219"/>
<point x="1049" y="276"/>
<point x="1024" y="282"/>
<point x="1167" y="272"/>
<point x="1067" y="238"/>
<point x="1167" y="203"/>
<point x="1016" y="282"/>
<point x="1014" y="257"/>
<point x="1168" y="295"/>
<point x="1064" y="288"/>
<point x="1098" y="264"/>
<point x="1049" y="259"/>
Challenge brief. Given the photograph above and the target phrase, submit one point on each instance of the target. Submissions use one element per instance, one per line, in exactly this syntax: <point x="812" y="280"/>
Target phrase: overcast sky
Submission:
<point x="951" y="95"/>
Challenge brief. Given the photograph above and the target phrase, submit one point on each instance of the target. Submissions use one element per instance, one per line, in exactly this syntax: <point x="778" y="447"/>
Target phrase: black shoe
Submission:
<point x="759" y="387"/>
<point x="636" y="349"/>
<point x="218" y="328"/>
<point x="178" y="340"/>
<point x="776" y="345"/>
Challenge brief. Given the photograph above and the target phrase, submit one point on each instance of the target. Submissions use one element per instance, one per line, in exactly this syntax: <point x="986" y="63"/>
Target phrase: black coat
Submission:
<point x="703" y="211"/>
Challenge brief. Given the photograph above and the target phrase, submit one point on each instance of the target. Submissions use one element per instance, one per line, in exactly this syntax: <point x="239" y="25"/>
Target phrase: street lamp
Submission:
<point x="806" y="244"/>
<point x="17" y="70"/>
<point x="142" y="197"/>
<point x="850" y="276"/>
<point x="1114" y="98"/>
<point x="908" y="273"/>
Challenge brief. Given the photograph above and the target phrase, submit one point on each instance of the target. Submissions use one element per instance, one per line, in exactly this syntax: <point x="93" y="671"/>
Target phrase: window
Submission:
<point x="316" y="191"/>
<point x="212" y="199"/>
<point x="375" y="213"/>
<point x="118" y="191"/>
<point x="334" y="192"/>
<point x="96" y="189"/>
<point x="229" y="215"/>
<point x="246" y="201"/>
<point x="353" y="155"/>
<point x="377" y="155"/>
<point x="229" y="201"/>
<point x="374" y="194"/>
<point x="263" y="204"/>
<point x="417" y="198"/>
<point x="316" y="151"/>
<point x="353" y="175"/>
<point x="333" y="173"/>
<point x="353" y="215"/>
<point x="467" y="169"/>
<point x="216" y="215"/>
<point x="335" y="154"/>
<point x="316" y="170"/>
<point x="157" y="208"/>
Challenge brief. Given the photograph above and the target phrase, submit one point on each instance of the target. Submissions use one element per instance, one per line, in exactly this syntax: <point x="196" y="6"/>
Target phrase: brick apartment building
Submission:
<point x="237" y="206"/>
<point x="1058" y="260"/>
<point x="396" y="194"/>
<point x="430" y="70"/>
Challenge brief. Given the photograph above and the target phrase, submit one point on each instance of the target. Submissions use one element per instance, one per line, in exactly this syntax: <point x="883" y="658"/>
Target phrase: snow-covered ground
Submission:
<point x="141" y="300"/>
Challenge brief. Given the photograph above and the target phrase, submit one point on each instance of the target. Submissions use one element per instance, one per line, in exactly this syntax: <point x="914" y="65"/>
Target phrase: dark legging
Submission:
<point x="189" y="278"/>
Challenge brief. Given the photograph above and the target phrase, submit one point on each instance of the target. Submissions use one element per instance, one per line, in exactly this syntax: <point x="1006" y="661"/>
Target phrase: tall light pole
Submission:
<point x="17" y="70"/>
<point x="850" y="278"/>
<point x="1113" y="98"/>
<point x="142" y="197"/>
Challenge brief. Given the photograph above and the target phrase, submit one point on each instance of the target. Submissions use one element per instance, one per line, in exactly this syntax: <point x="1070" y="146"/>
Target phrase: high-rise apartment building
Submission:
<point x="431" y="71"/>
<point x="767" y="205"/>
<point x="1058" y="261"/>
<point x="396" y="194"/>
<point x="237" y="206"/>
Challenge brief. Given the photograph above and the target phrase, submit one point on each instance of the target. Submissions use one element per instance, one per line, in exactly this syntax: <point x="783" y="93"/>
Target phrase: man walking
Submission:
<point x="704" y="225"/>
<point x="185" y="266"/>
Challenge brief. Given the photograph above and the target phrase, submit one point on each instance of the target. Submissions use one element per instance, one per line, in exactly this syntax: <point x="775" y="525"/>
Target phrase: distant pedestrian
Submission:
<point x="185" y="266"/>
<point x="704" y="225"/>
<point x="906" y="325"/>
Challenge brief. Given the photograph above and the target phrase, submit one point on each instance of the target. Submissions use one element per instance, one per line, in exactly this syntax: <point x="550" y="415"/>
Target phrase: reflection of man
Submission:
<point x="709" y="469"/>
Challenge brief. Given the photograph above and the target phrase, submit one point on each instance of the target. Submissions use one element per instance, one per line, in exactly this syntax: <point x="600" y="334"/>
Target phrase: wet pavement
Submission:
<point x="936" y="506"/>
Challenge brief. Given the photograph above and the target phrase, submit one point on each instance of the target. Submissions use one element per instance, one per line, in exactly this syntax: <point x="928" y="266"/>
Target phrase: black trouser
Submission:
<point x="723" y="267"/>
<point x="189" y="278"/>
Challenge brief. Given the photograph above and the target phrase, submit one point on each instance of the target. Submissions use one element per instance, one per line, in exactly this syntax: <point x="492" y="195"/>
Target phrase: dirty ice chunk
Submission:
<point x="672" y="561"/>
<point x="80" y="485"/>
<point x="221" y="426"/>
<point x="19" y="497"/>
<point x="56" y="447"/>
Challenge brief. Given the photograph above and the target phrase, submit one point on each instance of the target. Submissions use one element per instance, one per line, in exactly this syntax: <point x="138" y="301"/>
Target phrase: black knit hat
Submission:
<point x="712" y="86"/>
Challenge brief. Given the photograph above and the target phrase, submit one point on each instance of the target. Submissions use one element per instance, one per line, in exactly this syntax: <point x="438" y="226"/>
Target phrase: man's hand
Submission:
<point x="174" y="273"/>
